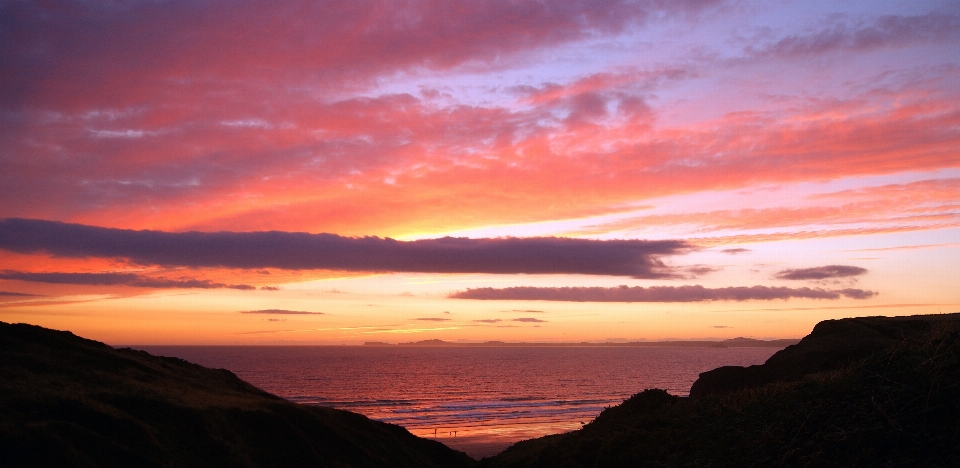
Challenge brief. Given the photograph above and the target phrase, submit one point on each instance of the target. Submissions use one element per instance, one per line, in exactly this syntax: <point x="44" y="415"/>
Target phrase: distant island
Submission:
<point x="872" y="391"/>
<point x="739" y="342"/>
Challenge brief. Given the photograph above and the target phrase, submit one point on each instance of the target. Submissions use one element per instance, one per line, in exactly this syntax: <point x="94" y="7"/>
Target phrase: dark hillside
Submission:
<point x="831" y="345"/>
<point x="897" y="406"/>
<point x="68" y="401"/>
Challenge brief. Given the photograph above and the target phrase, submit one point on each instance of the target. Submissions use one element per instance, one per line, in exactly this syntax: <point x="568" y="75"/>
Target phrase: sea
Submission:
<point x="478" y="400"/>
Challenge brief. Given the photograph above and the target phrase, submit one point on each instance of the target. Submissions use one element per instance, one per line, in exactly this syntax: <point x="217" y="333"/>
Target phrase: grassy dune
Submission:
<point x="897" y="406"/>
<point x="67" y="401"/>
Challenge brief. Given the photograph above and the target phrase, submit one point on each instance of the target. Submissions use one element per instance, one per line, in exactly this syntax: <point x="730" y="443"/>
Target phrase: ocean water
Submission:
<point x="479" y="400"/>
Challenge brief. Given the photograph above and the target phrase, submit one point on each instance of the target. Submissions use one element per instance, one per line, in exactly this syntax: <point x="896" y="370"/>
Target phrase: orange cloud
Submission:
<point x="928" y="204"/>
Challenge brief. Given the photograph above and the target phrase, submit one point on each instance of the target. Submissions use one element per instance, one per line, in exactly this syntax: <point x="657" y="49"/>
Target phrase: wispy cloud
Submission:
<point x="817" y="234"/>
<point x="820" y="273"/>
<point x="875" y="306"/>
<point x="410" y="330"/>
<point x="432" y="319"/>
<point x="906" y="247"/>
<point x="889" y="30"/>
<point x="118" y="279"/>
<point x="18" y="294"/>
<point x="657" y="294"/>
<point x="921" y="205"/>
<point x="280" y="312"/>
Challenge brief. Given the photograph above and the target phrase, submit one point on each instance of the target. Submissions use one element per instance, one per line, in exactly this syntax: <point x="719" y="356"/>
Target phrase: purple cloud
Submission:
<point x="432" y="319"/>
<point x="299" y="250"/>
<point x="695" y="271"/>
<point x="529" y="320"/>
<point x="321" y="43"/>
<point x="17" y="294"/>
<point x="819" y="273"/>
<point x="885" y="31"/>
<point x="656" y="294"/>
<point x="856" y="293"/>
<point x="118" y="279"/>
<point x="488" y="320"/>
<point x="735" y="251"/>
<point x="281" y="312"/>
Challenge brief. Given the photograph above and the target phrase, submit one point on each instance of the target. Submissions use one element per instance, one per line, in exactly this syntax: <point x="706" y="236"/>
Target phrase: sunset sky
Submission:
<point x="337" y="172"/>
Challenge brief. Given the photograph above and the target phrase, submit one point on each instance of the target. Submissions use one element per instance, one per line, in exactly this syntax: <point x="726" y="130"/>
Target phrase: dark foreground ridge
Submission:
<point x="865" y="392"/>
<point x="67" y="401"/>
<point x="869" y="391"/>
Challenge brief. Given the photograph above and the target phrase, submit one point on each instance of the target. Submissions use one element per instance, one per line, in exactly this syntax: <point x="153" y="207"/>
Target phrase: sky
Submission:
<point x="341" y="172"/>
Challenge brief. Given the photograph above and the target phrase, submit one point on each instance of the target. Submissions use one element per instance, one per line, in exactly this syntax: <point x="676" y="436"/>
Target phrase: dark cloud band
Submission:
<point x="280" y="312"/>
<point x="299" y="251"/>
<point x="819" y="273"/>
<point x="657" y="294"/>
<point x="17" y="294"/>
<point x="118" y="279"/>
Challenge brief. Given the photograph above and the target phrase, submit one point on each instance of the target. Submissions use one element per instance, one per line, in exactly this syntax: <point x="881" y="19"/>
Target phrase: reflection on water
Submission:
<point x="490" y="397"/>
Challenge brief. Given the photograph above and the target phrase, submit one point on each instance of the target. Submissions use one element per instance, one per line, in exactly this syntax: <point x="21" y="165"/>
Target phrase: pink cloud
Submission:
<point x="121" y="119"/>
<point x="206" y="47"/>
<point x="927" y="204"/>
<point x="381" y="164"/>
<point x="815" y="234"/>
